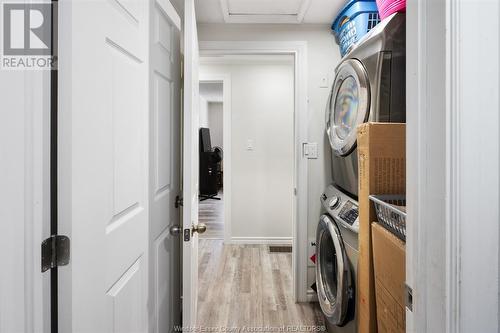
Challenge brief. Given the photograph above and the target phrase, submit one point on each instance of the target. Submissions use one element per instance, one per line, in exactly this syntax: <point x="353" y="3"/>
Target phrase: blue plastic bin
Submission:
<point x="354" y="21"/>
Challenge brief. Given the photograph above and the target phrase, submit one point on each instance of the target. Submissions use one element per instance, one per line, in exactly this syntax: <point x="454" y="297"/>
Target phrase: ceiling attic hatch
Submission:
<point x="264" y="11"/>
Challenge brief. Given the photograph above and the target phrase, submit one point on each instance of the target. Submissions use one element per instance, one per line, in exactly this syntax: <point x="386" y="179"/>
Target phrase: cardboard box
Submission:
<point x="390" y="276"/>
<point x="382" y="170"/>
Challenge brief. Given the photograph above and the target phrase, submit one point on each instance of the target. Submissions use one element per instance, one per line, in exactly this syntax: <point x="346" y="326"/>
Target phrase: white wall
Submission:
<point x="262" y="110"/>
<point x="215" y="116"/>
<point x="203" y="112"/>
<point x="211" y="110"/>
<point x="323" y="56"/>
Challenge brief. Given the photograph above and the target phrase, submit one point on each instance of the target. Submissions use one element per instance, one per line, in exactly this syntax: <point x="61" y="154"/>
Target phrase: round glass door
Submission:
<point x="348" y="106"/>
<point x="329" y="267"/>
<point x="333" y="273"/>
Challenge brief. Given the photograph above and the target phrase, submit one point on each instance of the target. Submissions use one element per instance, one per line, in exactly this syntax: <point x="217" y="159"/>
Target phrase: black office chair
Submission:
<point x="210" y="167"/>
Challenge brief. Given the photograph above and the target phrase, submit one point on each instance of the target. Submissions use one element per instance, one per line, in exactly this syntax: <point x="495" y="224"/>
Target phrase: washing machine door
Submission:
<point x="333" y="273"/>
<point x="348" y="106"/>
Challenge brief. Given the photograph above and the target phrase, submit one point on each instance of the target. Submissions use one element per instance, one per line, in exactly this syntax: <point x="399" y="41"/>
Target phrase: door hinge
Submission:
<point x="409" y="297"/>
<point x="178" y="202"/>
<point x="55" y="252"/>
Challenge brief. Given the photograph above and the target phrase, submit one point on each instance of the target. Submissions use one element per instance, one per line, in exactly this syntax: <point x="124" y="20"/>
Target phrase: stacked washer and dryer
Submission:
<point x="369" y="87"/>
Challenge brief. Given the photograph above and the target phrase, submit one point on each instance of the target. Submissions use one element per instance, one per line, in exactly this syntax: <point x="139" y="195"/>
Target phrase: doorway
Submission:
<point x="298" y="50"/>
<point x="211" y="205"/>
<point x="258" y="139"/>
<point x="247" y="268"/>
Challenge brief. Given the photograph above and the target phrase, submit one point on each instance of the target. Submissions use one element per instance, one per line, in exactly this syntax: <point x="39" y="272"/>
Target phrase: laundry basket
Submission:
<point x="391" y="213"/>
<point x="388" y="7"/>
<point x="354" y="21"/>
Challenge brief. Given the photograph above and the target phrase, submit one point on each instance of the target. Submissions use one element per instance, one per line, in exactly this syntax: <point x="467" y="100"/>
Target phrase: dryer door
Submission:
<point x="333" y="273"/>
<point x="348" y="106"/>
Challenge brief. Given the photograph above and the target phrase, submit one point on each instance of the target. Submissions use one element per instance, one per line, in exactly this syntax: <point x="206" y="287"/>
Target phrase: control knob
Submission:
<point x="334" y="202"/>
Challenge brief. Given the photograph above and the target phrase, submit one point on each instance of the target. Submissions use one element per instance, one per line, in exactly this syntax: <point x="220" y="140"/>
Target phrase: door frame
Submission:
<point x="225" y="79"/>
<point x="453" y="166"/>
<point x="26" y="301"/>
<point x="299" y="50"/>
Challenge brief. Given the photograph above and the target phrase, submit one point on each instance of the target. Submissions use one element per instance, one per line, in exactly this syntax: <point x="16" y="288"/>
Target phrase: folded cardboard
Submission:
<point x="381" y="160"/>
<point x="389" y="265"/>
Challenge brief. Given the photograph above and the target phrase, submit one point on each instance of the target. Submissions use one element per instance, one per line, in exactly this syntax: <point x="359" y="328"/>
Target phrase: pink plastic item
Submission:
<point x="387" y="7"/>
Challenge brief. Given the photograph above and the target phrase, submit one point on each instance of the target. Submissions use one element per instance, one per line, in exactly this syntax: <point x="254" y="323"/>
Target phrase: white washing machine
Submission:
<point x="337" y="260"/>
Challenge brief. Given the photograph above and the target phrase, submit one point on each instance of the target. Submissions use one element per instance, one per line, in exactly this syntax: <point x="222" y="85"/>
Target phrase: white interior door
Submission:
<point x="104" y="113"/>
<point x="164" y="166"/>
<point x="190" y="167"/>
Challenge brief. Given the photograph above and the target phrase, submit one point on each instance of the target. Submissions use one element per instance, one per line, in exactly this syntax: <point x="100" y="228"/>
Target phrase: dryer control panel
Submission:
<point x="341" y="207"/>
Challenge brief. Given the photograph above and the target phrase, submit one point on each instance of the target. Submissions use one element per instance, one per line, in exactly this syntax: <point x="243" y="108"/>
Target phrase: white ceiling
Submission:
<point x="265" y="11"/>
<point x="264" y="7"/>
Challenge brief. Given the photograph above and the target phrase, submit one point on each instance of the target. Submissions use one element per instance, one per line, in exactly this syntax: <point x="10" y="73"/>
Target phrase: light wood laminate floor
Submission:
<point x="246" y="286"/>
<point x="211" y="212"/>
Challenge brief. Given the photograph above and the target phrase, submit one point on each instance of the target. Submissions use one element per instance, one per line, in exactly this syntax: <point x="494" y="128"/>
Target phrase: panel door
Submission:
<point x="103" y="161"/>
<point x="164" y="170"/>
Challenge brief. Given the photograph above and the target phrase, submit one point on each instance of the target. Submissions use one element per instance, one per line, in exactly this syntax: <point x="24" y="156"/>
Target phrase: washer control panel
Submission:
<point x="341" y="207"/>
<point x="349" y="212"/>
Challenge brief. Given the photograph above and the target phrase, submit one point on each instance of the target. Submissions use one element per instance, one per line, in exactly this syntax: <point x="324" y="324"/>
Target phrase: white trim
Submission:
<point x="37" y="95"/>
<point x="245" y="59"/>
<point x="312" y="296"/>
<point x="25" y="211"/>
<point x="303" y="10"/>
<point x="262" y="240"/>
<point x="226" y="139"/>
<point x="299" y="50"/>
<point x="453" y="165"/>
<point x="425" y="142"/>
<point x="170" y="11"/>
<point x="472" y="249"/>
<point x="25" y="304"/>
<point x="264" y="18"/>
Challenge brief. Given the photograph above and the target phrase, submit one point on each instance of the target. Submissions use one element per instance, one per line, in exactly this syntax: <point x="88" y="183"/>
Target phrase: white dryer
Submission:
<point x="370" y="85"/>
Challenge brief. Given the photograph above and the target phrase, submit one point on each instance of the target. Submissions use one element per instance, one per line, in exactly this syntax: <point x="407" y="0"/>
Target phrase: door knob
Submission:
<point x="175" y="230"/>
<point x="199" y="228"/>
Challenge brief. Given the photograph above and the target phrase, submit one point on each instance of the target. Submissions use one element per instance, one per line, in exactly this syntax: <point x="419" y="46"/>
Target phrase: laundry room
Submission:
<point x="356" y="76"/>
<point x="350" y="260"/>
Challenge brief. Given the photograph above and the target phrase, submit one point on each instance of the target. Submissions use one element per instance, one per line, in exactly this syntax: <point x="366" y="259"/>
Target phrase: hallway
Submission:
<point x="245" y="285"/>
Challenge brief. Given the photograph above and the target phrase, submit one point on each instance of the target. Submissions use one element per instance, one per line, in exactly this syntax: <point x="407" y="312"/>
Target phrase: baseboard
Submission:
<point x="262" y="240"/>
<point x="312" y="296"/>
